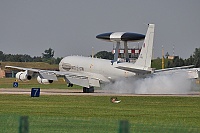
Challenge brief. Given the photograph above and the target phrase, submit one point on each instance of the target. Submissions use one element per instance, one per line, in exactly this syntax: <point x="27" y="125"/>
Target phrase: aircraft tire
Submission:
<point x="88" y="90"/>
<point x="91" y="90"/>
<point x="84" y="89"/>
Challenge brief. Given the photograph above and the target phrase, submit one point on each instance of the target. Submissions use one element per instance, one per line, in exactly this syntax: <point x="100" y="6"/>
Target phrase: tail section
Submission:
<point x="144" y="59"/>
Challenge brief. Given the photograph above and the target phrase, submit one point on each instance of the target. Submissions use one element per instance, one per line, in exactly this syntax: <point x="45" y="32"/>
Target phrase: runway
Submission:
<point x="78" y="92"/>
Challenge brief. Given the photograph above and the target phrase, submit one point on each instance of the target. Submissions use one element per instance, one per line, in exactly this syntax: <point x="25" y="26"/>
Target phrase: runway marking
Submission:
<point x="78" y="92"/>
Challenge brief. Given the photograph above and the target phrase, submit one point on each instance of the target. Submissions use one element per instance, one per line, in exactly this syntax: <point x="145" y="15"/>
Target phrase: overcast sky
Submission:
<point x="70" y="27"/>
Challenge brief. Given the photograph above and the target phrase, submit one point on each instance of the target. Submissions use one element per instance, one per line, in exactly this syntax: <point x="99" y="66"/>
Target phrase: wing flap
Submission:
<point x="85" y="79"/>
<point x="94" y="82"/>
<point x="77" y="80"/>
<point x="49" y="76"/>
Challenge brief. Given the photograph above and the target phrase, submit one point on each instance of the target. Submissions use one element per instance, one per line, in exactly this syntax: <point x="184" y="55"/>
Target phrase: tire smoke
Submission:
<point x="156" y="84"/>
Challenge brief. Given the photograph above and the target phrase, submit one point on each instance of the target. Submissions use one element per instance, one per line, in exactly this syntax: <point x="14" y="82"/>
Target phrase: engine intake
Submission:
<point x="23" y="76"/>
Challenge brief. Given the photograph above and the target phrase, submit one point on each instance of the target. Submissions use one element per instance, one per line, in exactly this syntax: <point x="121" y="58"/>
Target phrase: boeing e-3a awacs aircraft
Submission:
<point x="93" y="72"/>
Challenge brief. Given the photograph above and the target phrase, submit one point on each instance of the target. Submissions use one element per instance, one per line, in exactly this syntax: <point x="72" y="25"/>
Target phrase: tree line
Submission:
<point x="47" y="56"/>
<point x="194" y="59"/>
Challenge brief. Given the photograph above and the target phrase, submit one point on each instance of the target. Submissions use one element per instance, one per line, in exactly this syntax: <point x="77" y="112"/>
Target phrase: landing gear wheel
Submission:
<point x="84" y="89"/>
<point x="88" y="90"/>
<point x="70" y="85"/>
<point x="91" y="90"/>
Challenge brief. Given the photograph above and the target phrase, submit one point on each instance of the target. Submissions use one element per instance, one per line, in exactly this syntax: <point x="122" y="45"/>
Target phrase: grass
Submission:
<point x="57" y="111"/>
<point x="96" y="113"/>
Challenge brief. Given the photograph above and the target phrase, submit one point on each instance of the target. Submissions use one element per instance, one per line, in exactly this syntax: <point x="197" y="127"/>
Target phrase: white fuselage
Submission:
<point x="94" y="65"/>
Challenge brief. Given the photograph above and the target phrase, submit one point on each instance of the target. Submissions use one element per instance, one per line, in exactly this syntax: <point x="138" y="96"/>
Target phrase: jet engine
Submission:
<point x="23" y="76"/>
<point x="44" y="81"/>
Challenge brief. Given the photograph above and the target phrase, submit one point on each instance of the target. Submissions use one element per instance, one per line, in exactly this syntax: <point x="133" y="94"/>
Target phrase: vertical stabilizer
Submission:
<point x="144" y="59"/>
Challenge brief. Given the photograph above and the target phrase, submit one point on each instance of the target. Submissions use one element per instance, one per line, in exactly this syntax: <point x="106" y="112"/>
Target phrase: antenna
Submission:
<point x="92" y="52"/>
<point x="153" y="53"/>
<point x="163" y="60"/>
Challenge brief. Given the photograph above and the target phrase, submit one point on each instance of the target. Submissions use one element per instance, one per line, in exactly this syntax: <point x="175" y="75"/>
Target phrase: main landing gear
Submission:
<point x="70" y="85"/>
<point x="88" y="90"/>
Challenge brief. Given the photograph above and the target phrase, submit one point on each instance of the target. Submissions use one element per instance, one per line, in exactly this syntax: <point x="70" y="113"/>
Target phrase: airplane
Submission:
<point x="91" y="72"/>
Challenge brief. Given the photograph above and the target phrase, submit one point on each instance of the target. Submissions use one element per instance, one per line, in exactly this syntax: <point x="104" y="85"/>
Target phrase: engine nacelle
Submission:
<point x="23" y="76"/>
<point x="44" y="81"/>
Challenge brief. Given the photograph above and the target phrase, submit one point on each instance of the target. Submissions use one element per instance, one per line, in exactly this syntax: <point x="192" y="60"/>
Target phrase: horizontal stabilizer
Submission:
<point x="138" y="71"/>
<point x="174" y="68"/>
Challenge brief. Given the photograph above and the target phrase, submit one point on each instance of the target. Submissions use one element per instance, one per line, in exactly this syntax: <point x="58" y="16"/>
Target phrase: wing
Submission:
<point x="85" y="79"/>
<point x="22" y="68"/>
